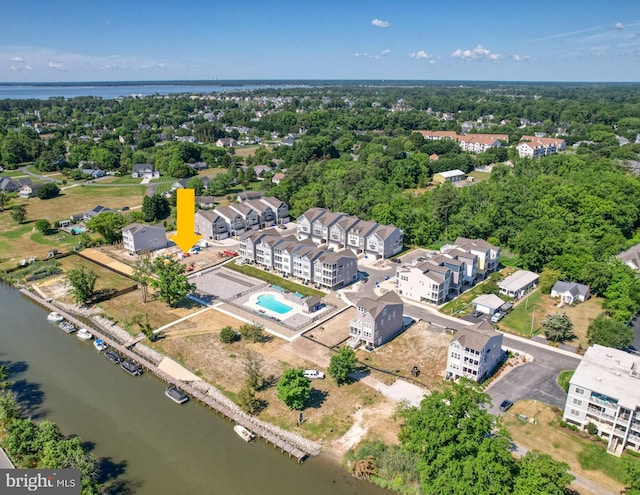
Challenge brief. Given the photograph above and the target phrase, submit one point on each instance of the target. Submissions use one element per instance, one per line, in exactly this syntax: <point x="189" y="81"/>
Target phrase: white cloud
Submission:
<point x="619" y="26"/>
<point x="385" y="52"/>
<point x="56" y="65"/>
<point x="372" y="56"/>
<point x="420" y="55"/>
<point x="478" y="53"/>
<point x="379" y="23"/>
<point x="17" y="59"/>
<point x="520" y="58"/>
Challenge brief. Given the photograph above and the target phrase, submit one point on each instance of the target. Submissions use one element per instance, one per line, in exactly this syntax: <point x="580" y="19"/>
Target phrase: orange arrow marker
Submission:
<point x="185" y="237"/>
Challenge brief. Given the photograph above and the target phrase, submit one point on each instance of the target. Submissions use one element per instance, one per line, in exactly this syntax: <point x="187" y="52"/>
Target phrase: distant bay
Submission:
<point x="110" y="90"/>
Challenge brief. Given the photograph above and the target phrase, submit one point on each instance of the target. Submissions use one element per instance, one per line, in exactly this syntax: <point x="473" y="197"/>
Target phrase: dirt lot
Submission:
<point x="546" y="436"/>
<point x="334" y="331"/>
<point x="418" y="346"/>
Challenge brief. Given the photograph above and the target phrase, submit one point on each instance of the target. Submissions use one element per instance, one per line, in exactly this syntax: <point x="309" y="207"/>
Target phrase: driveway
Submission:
<point x="536" y="380"/>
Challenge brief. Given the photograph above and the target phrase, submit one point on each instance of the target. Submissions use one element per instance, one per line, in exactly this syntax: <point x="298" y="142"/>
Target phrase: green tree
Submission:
<point x="171" y="281"/>
<point x="342" y="364"/>
<point x="558" y="327"/>
<point x="71" y="454"/>
<point x="253" y="364"/>
<point x="632" y="476"/>
<point x="548" y="278"/>
<point x="108" y="225"/>
<point x="81" y="284"/>
<point x="43" y="226"/>
<point x="294" y="389"/>
<point x="228" y="335"/>
<point x="196" y="184"/>
<point x="248" y="401"/>
<point x="21" y="442"/>
<point x="19" y="213"/>
<point x="609" y="332"/>
<point x="48" y="190"/>
<point x="155" y="208"/>
<point x="143" y="273"/>
<point x="252" y="331"/>
<point x="539" y="473"/>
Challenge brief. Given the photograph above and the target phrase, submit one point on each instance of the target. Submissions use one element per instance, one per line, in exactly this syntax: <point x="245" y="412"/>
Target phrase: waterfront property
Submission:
<point x="605" y="391"/>
<point x="474" y="353"/>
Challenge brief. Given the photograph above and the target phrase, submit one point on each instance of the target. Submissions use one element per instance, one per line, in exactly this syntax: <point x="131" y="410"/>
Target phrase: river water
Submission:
<point x="147" y="443"/>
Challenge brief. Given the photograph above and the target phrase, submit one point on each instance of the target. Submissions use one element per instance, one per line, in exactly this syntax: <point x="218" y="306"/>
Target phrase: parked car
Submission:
<point x="497" y="317"/>
<point x="313" y="374"/>
<point x="506" y="405"/>
<point x="477" y="314"/>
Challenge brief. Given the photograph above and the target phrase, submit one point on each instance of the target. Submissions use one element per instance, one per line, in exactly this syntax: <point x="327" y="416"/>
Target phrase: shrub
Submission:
<point x="592" y="429"/>
<point x="228" y="335"/>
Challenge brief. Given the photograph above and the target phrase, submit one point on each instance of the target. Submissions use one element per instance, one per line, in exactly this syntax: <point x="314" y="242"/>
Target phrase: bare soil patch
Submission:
<point x="335" y="330"/>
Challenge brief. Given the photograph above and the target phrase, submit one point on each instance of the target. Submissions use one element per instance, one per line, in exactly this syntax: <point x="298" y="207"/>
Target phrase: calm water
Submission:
<point x="44" y="92"/>
<point x="152" y="445"/>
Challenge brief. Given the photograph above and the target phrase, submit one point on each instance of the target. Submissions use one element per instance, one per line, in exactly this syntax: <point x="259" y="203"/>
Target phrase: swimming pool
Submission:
<point x="77" y="230"/>
<point x="270" y="302"/>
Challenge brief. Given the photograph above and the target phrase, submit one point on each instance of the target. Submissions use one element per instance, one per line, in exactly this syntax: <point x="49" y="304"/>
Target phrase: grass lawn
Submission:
<point x="13" y="173"/>
<point x="563" y="379"/>
<point x="106" y="278"/>
<point x="274" y="279"/>
<point x="585" y="457"/>
<point x="479" y="176"/>
<point x="540" y="305"/>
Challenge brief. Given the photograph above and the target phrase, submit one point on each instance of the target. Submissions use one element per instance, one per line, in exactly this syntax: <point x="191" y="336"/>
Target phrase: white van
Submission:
<point x="313" y="374"/>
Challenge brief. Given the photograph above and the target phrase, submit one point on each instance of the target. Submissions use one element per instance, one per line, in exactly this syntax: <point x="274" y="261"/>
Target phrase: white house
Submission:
<point x="140" y="238"/>
<point x="518" y="283"/>
<point x="144" y="171"/>
<point x="474" y="352"/>
<point x="424" y="282"/>
<point x="605" y="390"/>
<point x="488" y="254"/>
<point x="570" y="292"/>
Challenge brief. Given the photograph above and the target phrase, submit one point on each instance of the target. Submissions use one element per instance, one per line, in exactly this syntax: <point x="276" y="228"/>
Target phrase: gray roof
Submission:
<point x="479" y="244"/>
<point x="475" y="337"/>
<point x="376" y="306"/>
<point x="518" y="280"/>
<point x="631" y="257"/>
<point x="489" y="300"/>
<point x="573" y="288"/>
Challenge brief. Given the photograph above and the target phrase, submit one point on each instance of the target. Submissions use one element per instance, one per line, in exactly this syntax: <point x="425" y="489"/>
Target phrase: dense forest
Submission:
<point x="355" y="151"/>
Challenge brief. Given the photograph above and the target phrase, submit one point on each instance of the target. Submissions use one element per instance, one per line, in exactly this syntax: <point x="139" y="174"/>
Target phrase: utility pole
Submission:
<point x="533" y="317"/>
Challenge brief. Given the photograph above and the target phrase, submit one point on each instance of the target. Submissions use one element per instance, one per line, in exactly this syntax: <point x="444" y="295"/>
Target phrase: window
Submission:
<point x="579" y="391"/>
<point x="573" y="412"/>
<point x="577" y="402"/>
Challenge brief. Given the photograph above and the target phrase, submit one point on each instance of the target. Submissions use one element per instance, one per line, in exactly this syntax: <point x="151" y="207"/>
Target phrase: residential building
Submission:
<point x="358" y="233"/>
<point x="280" y="208"/>
<point x="488" y="304"/>
<point x="234" y="220"/>
<point x="9" y="185"/>
<point x="338" y="231"/>
<point x="277" y="178"/>
<point x="534" y="146"/>
<point x="385" y="241"/>
<point x="30" y="190"/>
<point x="226" y="142"/>
<point x="335" y="270"/>
<point x="449" y="176"/>
<point x="570" y="292"/>
<point x="265" y="214"/>
<point x="306" y="220"/>
<point x="518" y="283"/>
<point x="377" y="321"/>
<point x="139" y="238"/>
<point x="205" y="201"/>
<point x="249" y="215"/>
<point x="474" y="352"/>
<point x="210" y="225"/>
<point x="605" y="390"/>
<point x="438" y="135"/>
<point x="247" y="195"/>
<point x="88" y="215"/>
<point x="144" y="171"/>
<point x="488" y="254"/>
<point x="321" y="225"/>
<point x="631" y="257"/>
<point x="424" y="282"/>
<point x="470" y="273"/>
<point x="479" y="143"/>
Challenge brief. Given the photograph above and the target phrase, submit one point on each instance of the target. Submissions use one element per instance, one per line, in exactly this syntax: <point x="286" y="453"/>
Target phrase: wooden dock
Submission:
<point x="125" y="349"/>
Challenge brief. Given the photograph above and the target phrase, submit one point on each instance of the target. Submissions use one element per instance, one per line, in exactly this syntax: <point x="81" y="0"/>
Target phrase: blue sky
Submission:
<point x="561" y="40"/>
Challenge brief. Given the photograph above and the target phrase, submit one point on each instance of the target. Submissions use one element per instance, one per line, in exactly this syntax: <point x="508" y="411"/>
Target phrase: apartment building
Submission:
<point x="535" y="146"/>
<point x="424" y="282"/>
<point x="605" y="391"/>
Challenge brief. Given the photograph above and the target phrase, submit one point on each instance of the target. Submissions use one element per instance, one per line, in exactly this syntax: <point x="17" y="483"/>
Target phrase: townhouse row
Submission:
<point x="340" y="231"/>
<point x="292" y="258"/>
<point x="238" y="218"/>
<point x="445" y="275"/>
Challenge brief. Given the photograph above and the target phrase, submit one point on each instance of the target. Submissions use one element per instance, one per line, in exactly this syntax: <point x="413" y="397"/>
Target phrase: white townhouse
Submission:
<point x="234" y="220"/>
<point x="458" y="269"/>
<point x="303" y="257"/>
<point x="210" y="225"/>
<point x="468" y="276"/>
<point x="338" y="231"/>
<point x="488" y="254"/>
<point x="357" y="235"/>
<point x="424" y="282"/>
<point x="377" y="321"/>
<point x="605" y="390"/>
<point x="321" y="225"/>
<point x="474" y="352"/>
<point x="518" y="283"/>
<point x="266" y="215"/>
<point x="385" y="241"/>
<point x="140" y="238"/>
<point x="305" y="221"/>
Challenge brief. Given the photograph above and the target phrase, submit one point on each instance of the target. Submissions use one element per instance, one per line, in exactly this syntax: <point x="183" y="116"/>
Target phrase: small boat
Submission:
<point x="67" y="327"/>
<point x="114" y="357"/>
<point x="55" y="317"/>
<point x="131" y="367"/>
<point x="84" y="334"/>
<point x="243" y="433"/>
<point x="176" y="394"/>
<point x="100" y="345"/>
